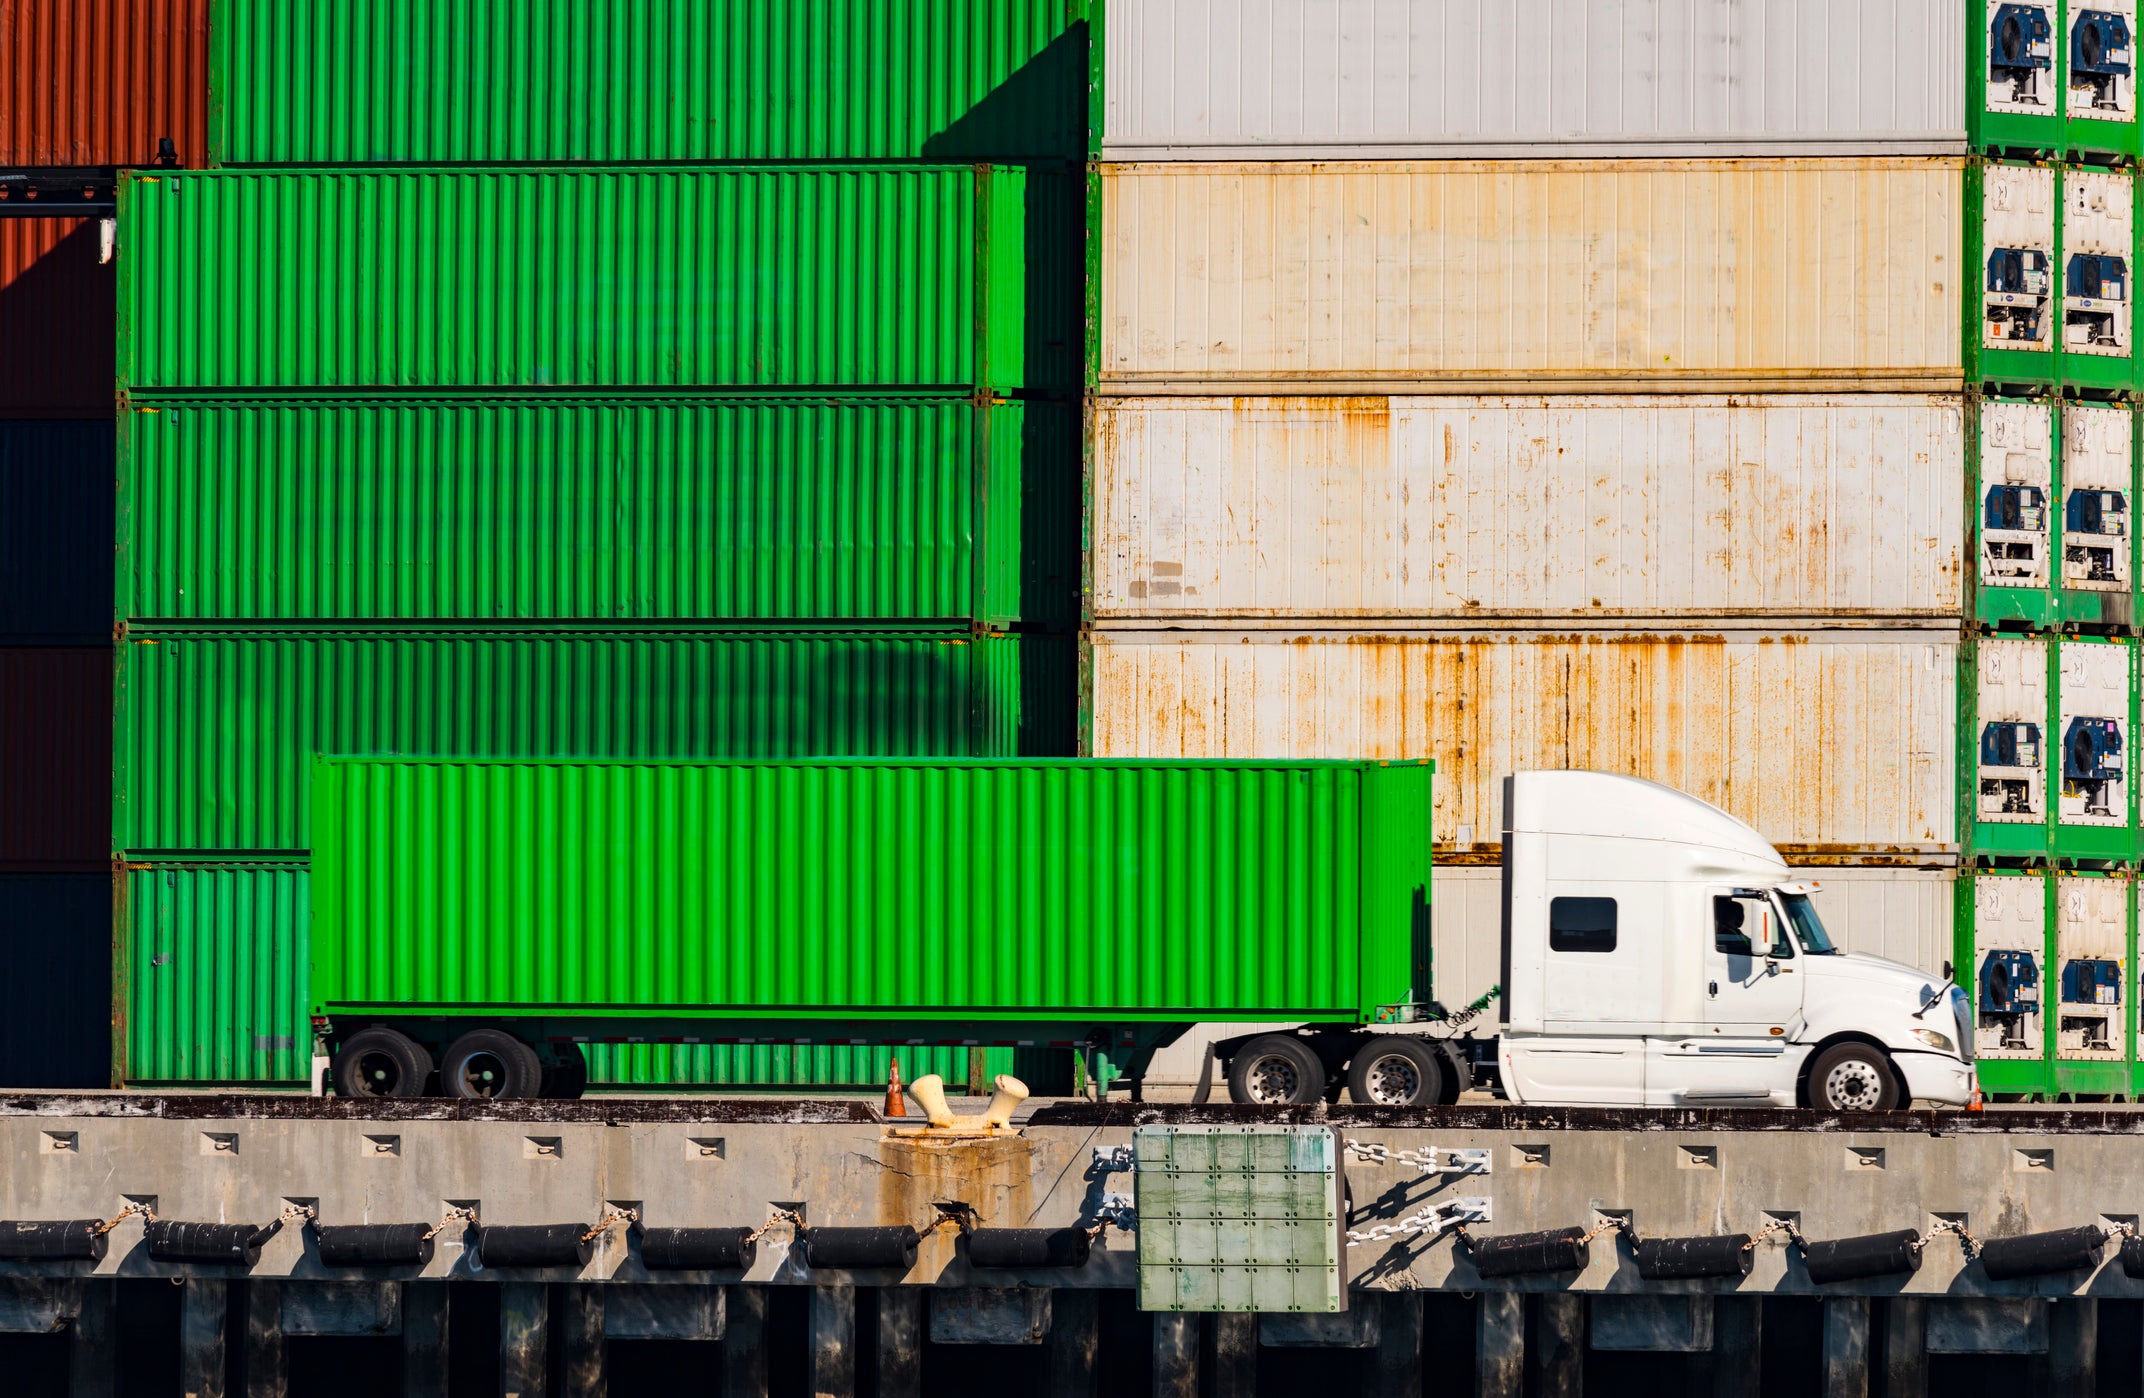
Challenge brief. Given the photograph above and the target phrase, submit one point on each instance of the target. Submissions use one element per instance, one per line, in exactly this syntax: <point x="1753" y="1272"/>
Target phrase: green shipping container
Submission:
<point x="215" y="734"/>
<point x="212" y="971"/>
<point x="709" y="510"/>
<point x="298" y="83"/>
<point x="869" y="898"/>
<point x="353" y="281"/>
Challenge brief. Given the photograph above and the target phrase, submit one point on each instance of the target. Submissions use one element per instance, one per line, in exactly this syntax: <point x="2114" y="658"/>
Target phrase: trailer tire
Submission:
<point x="490" y="1063"/>
<point x="380" y="1062"/>
<point x="1396" y="1070"/>
<point x="1276" y="1070"/>
<point x="1852" y="1077"/>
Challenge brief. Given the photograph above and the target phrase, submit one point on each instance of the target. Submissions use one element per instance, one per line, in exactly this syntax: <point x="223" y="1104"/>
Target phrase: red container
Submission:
<point x="55" y="759"/>
<point x="96" y="82"/>
<point x="57" y="319"/>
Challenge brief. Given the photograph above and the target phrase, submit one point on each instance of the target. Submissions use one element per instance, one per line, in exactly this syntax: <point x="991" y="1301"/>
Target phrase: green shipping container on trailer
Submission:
<point x="297" y="83"/>
<point x="869" y="899"/>
<point x="711" y="510"/>
<point x="214" y="733"/>
<point x="212" y="971"/>
<point x="356" y="281"/>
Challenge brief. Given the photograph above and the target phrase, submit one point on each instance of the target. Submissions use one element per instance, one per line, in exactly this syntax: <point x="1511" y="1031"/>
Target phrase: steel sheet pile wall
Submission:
<point x="531" y="382"/>
<point x="2048" y="683"/>
<point x="85" y="85"/>
<point x="1561" y="386"/>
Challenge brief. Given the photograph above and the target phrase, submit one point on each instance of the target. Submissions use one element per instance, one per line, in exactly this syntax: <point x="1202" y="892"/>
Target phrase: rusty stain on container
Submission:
<point x="57" y="320"/>
<point x="1839" y="507"/>
<point x="1353" y="274"/>
<point x="99" y="82"/>
<point x="1821" y="740"/>
<point x="55" y="759"/>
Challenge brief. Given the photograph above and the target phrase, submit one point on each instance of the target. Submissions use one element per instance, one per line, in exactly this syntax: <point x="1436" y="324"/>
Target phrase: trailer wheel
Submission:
<point x="490" y="1063"/>
<point x="1275" y="1070"/>
<point x="1852" y="1077"/>
<point x="380" y="1062"/>
<point x="1395" y="1070"/>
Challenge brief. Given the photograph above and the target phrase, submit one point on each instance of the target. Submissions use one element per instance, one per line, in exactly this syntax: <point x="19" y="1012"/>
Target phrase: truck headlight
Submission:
<point x="1936" y="1040"/>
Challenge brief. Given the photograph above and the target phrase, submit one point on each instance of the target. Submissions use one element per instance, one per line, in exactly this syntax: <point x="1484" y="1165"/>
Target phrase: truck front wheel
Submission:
<point x="381" y="1062"/>
<point x="1852" y="1078"/>
<point x="1393" y="1070"/>
<point x="1275" y="1070"/>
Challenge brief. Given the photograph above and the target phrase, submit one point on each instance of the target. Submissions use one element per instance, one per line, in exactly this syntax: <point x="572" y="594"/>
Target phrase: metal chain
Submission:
<point x="788" y="1216"/>
<point x="1610" y="1223"/>
<point x="1427" y="1219"/>
<point x="467" y="1216"/>
<point x="147" y="1212"/>
<point x="1460" y="1019"/>
<point x="293" y="1212"/>
<point x="1779" y="1225"/>
<point x="610" y="1217"/>
<point x="961" y="1216"/>
<point x="1430" y="1162"/>
<point x="1945" y="1225"/>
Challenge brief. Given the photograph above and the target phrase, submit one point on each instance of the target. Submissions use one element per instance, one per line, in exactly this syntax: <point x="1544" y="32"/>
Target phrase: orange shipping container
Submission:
<point x="97" y="82"/>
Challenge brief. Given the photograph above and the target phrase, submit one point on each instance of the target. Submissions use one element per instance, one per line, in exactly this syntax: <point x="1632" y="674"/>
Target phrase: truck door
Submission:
<point x="1753" y="1008"/>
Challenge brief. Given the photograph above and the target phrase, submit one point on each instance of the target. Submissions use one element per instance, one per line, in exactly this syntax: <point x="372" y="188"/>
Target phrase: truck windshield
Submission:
<point x="1808" y="927"/>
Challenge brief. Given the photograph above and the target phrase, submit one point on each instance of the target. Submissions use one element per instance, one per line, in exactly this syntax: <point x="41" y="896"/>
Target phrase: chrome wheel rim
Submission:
<point x="1853" y="1086"/>
<point x="1272" y="1080"/>
<point x="1393" y="1080"/>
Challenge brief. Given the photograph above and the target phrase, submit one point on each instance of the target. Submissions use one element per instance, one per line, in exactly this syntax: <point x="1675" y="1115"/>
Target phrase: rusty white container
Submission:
<point x="1903" y="914"/>
<point x="1206" y="79"/>
<point x="1833" y="744"/>
<point x="1841" y="510"/>
<point x="1560" y="276"/>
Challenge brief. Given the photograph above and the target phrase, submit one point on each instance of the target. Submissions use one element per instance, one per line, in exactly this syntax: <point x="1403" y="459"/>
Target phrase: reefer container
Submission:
<point x="2097" y="465"/>
<point x="1842" y="510"/>
<point x="2009" y="743"/>
<point x="1833" y="744"/>
<point x="56" y="307"/>
<point x="2016" y="505"/>
<point x="788" y="509"/>
<point x="212" y="965"/>
<point x="100" y="82"/>
<point x="214" y="734"/>
<point x="55" y="532"/>
<point x="55" y="758"/>
<point x="1750" y="274"/>
<point x="2091" y="747"/>
<point x="1091" y="902"/>
<point x="758" y="277"/>
<point x="55" y="931"/>
<point x="1216" y="79"/>
<point x="2020" y="317"/>
<point x="555" y="81"/>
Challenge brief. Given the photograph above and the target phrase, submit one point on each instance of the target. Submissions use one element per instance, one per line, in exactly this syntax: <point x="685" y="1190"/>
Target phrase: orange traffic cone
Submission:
<point x="895" y="1105"/>
<point x="1977" y="1104"/>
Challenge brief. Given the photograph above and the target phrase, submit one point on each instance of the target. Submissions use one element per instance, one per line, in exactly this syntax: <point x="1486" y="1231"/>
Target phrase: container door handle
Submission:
<point x="1713" y="990"/>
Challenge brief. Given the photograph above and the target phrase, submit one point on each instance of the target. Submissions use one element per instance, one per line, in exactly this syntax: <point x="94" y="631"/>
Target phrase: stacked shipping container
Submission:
<point x="2047" y="911"/>
<point x="1543" y="387"/>
<point x="531" y="381"/>
<point x="83" y="87"/>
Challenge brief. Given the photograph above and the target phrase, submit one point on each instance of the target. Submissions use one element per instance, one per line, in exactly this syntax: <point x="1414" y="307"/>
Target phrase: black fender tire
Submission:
<point x="1275" y="1070"/>
<point x="1397" y="1070"/>
<point x="1853" y="1077"/>
<point x="566" y="1075"/>
<point x="490" y="1063"/>
<point x="380" y="1062"/>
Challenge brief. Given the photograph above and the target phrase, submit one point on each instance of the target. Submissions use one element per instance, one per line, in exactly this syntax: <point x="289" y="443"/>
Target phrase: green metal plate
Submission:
<point x="1240" y="1218"/>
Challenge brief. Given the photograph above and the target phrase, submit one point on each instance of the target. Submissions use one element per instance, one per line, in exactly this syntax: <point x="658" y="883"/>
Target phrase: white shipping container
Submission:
<point x="1903" y="914"/>
<point x="1359" y="277"/>
<point x="1839" y="509"/>
<point x="1207" y="79"/>
<point x="1830" y="743"/>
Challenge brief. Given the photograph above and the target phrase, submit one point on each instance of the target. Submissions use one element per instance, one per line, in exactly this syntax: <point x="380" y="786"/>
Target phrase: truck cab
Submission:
<point x="1658" y="952"/>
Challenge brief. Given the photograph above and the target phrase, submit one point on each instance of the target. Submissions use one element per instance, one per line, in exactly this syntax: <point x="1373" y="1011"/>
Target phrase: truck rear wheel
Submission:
<point x="490" y="1063"/>
<point x="1276" y="1070"/>
<point x="1393" y="1070"/>
<point x="381" y="1062"/>
<point x="1852" y="1078"/>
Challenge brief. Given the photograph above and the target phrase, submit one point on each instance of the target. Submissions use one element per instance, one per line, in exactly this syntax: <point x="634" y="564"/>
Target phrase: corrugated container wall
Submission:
<point x="1576" y="508"/>
<point x="55" y="532"/>
<point x="553" y="81"/>
<point x="55" y="758"/>
<point x="215" y="735"/>
<point x="1360" y="276"/>
<point x="56" y="318"/>
<point x="56" y="942"/>
<point x="1218" y="79"/>
<point x="99" y="82"/>
<point x="921" y="276"/>
<point x="750" y="510"/>
<point x="1830" y="743"/>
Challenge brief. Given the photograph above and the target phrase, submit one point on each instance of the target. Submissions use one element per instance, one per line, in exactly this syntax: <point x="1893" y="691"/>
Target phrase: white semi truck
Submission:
<point x="1656" y="952"/>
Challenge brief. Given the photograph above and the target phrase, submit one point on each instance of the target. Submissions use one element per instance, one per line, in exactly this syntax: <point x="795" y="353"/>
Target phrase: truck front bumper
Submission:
<point x="1935" y="1077"/>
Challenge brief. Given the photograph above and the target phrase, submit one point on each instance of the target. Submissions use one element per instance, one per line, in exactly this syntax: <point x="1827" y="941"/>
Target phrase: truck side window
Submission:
<point x="1581" y="924"/>
<point x="1730" y="933"/>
